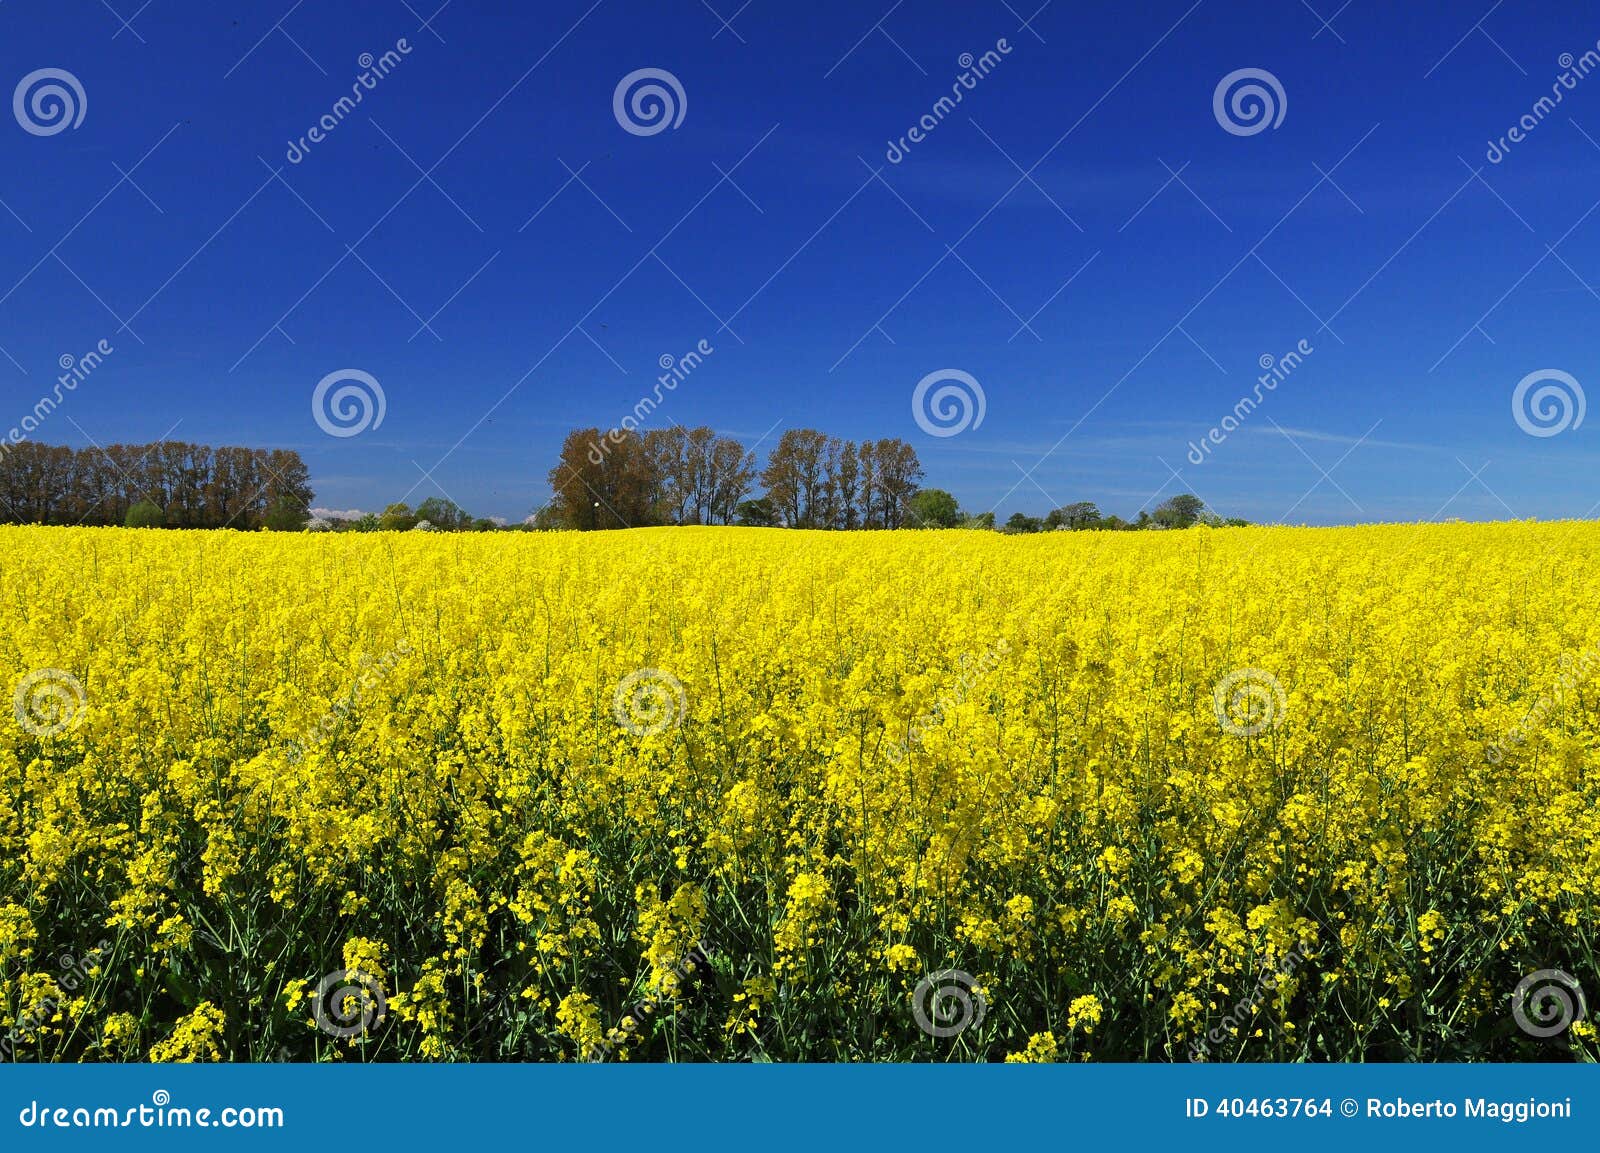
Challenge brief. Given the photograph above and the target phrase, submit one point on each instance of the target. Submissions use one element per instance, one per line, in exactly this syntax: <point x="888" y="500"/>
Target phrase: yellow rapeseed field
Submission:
<point x="1233" y="794"/>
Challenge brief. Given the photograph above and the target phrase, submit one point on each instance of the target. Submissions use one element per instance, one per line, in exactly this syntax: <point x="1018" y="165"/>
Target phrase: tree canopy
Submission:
<point x="190" y="485"/>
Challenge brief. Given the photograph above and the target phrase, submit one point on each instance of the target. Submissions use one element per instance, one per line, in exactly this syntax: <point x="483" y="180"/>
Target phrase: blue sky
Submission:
<point x="756" y="224"/>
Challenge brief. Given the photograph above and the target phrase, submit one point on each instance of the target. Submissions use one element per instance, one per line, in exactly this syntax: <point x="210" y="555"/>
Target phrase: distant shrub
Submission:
<point x="286" y="516"/>
<point x="145" y="514"/>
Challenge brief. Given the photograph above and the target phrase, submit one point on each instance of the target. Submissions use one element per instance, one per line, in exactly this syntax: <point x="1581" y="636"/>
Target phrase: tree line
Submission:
<point x="676" y="476"/>
<point x="616" y="479"/>
<point x="1181" y="511"/>
<point x="437" y="513"/>
<point x="169" y="483"/>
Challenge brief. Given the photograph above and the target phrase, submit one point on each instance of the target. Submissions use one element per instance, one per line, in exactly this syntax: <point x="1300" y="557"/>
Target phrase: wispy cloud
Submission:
<point x="1341" y="438"/>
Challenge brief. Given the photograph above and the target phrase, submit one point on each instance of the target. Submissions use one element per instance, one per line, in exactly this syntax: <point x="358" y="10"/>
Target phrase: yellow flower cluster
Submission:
<point x="1280" y="793"/>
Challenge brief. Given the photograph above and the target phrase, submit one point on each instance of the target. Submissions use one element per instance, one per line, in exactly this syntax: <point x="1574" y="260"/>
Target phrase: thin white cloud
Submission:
<point x="1338" y="438"/>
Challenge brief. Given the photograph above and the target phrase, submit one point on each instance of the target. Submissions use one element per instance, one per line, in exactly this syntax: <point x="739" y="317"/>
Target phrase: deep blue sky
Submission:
<point x="1400" y="259"/>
